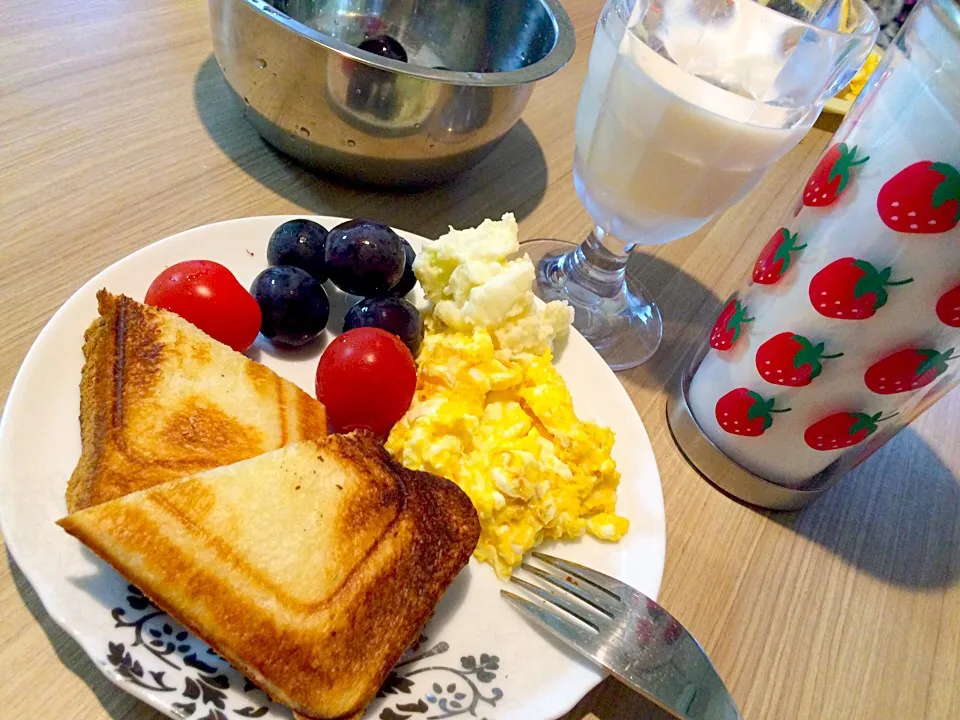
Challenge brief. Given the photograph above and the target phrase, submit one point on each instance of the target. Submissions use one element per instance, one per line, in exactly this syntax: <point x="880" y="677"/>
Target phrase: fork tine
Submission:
<point x="610" y="585"/>
<point x="599" y="599"/>
<point x="572" y="634"/>
<point x="578" y="611"/>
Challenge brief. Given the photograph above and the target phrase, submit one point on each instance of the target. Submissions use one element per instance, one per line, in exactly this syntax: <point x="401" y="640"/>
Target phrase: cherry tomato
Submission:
<point x="206" y="294"/>
<point x="366" y="379"/>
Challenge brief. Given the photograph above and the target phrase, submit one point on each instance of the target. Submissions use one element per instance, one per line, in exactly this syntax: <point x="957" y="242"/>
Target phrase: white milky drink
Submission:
<point x="890" y="341"/>
<point x="659" y="151"/>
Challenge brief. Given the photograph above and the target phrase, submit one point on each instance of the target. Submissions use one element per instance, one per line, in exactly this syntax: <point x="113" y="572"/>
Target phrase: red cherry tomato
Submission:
<point x="206" y="294"/>
<point x="366" y="379"/>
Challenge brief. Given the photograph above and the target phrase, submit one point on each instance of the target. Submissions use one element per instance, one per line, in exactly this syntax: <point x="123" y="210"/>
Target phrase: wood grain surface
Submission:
<point x="116" y="130"/>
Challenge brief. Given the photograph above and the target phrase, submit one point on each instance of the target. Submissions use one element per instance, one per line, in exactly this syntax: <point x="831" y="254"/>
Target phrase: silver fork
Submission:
<point x="624" y="631"/>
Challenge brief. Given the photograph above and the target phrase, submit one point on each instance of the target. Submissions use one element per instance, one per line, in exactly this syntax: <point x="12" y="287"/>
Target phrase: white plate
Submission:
<point x="479" y="656"/>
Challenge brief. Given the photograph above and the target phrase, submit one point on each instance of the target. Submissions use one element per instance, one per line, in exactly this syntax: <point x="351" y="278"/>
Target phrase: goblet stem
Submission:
<point x="612" y="311"/>
<point x="597" y="266"/>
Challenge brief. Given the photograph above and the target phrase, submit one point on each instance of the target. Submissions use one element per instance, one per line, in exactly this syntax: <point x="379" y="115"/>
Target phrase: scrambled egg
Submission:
<point x="469" y="284"/>
<point x="491" y="412"/>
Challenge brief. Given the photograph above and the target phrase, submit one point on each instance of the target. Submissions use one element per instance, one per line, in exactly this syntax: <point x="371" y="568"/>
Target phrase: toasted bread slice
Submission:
<point x="310" y="568"/>
<point x="159" y="399"/>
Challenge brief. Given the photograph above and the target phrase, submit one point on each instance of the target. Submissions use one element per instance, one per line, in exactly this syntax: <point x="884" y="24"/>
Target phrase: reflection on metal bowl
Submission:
<point x="309" y="91"/>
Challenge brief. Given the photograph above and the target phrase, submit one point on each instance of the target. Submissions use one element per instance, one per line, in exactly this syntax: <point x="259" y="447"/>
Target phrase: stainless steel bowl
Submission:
<point x="310" y="92"/>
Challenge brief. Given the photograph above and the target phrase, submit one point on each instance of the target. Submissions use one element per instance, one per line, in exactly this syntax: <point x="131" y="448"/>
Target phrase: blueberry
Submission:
<point x="408" y="279"/>
<point x="302" y="244"/>
<point x="293" y="305"/>
<point x="393" y="314"/>
<point x="364" y="258"/>
<point x="385" y="46"/>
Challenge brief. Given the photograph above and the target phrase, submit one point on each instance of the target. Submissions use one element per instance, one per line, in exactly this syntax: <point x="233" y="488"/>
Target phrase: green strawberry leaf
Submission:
<point x="807" y="354"/>
<point x="933" y="360"/>
<point x="762" y="409"/>
<point x="881" y="299"/>
<point x="737" y="319"/>
<point x="864" y="422"/>
<point x="874" y="281"/>
<point x="810" y="354"/>
<point x="733" y="326"/>
<point x="783" y="249"/>
<point x="813" y="358"/>
<point x="868" y="422"/>
<point x="759" y="407"/>
<point x="786" y="248"/>
<point x="948" y="189"/>
<point x="869" y="282"/>
<point x="841" y="168"/>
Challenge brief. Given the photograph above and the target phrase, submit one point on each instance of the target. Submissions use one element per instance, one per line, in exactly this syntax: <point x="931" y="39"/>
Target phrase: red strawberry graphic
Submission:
<point x="775" y="257"/>
<point x="948" y="307"/>
<point x="850" y="289"/>
<point x="841" y="430"/>
<point x="726" y="330"/>
<point x="744" y="412"/>
<point x="831" y="176"/>
<point x="921" y="198"/>
<point x="790" y="359"/>
<point x="907" y="370"/>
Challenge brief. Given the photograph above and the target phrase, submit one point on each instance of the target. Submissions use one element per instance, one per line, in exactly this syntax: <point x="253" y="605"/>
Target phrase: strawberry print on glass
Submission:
<point x="842" y="430"/>
<point x="948" y="307"/>
<point x="921" y="198"/>
<point x="728" y="327"/>
<point x="851" y="289"/>
<point x="907" y="370"/>
<point x="747" y="413"/>
<point x="873" y="273"/>
<point x="775" y="258"/>
<point x="831" y="176"/>
<point x="791" y="359"/>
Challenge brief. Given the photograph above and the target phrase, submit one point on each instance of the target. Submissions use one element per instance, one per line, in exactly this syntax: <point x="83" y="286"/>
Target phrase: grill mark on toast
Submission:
<point x="208" y="430"/>
<point x="137" y="335"/>
<point x="284" y="412"/>
<point x="321" y="664"/>
<point x="119" y="363"/>
<point x="124" y="359"/>
<point x="362" y="505"/>
<point x="311" y="424"/>
<point x="212" y="591"/>
<point x="258" y="578"/>
<point x="269" y="383"/>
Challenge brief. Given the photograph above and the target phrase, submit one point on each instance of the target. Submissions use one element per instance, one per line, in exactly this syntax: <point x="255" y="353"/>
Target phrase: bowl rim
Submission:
<point x="553" y="61"/>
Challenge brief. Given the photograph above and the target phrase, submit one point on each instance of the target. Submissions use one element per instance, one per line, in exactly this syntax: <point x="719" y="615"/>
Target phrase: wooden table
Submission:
<point x="117" y="130"/>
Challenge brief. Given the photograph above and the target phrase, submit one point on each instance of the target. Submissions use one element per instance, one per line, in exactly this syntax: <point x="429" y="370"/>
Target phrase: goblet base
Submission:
<point x="611" y="310"/>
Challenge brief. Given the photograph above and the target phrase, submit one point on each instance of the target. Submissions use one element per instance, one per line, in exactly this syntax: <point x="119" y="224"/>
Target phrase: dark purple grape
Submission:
<point x="293" y="305"/>
<point x="371" y="89"/>
<point x="364" y="258"/>
<point x="385" y="46"/>
<point x="393" y="314"/>
<point x="302" y="244"/>
<point x="408" y="279"/>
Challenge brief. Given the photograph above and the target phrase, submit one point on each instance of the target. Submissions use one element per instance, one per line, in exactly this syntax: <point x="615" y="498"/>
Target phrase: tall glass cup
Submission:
<point x="685" y="106"/>
<point x="849" y="325"/>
